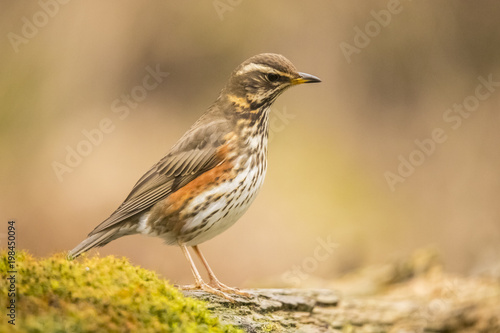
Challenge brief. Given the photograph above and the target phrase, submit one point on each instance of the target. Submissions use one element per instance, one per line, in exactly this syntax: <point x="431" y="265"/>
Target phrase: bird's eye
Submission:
<point x="272" y="77"/>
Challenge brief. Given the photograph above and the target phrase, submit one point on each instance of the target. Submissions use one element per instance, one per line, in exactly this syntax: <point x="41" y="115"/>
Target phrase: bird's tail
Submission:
<point x="96" y="240"/>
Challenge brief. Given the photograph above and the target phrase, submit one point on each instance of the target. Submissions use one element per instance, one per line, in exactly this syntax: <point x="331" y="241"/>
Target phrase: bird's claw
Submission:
<point x="216" y="288"/>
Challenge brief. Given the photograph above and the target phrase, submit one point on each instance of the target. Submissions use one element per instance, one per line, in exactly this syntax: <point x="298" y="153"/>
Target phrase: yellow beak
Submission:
<point x="305" y="78"/>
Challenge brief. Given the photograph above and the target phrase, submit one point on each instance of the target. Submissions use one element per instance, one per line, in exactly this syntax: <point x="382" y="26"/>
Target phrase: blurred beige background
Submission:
<point x="67" y="66"/>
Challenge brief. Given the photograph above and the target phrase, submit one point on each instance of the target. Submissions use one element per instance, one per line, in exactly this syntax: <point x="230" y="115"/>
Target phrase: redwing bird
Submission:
<point x="210" y="177"/>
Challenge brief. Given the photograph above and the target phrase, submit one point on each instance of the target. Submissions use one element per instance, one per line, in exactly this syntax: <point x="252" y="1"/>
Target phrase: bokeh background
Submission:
<point x="64" y="65"/>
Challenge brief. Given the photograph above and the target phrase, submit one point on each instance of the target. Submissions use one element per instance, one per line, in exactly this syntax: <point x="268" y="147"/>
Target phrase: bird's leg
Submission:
<point x="199" y="283"/>
<point x="213" y="279"/>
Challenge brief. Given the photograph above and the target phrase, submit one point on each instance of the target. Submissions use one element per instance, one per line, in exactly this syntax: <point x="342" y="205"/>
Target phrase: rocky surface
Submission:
<point x="294" y="310"/>
<point x="405" y="297"/>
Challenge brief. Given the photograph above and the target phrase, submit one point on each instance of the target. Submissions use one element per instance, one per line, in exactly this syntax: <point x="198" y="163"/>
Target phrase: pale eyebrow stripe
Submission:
<point x="259" y="67"/>
<point x="253" y="67"/>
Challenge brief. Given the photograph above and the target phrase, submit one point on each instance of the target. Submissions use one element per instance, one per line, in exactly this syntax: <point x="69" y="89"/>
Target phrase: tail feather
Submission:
<point x="96" y="240"/>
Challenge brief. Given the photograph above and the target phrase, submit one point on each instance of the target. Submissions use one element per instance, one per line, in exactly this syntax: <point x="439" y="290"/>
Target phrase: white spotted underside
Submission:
<point x="220" y="207"/>
<point x="226" y="210"/>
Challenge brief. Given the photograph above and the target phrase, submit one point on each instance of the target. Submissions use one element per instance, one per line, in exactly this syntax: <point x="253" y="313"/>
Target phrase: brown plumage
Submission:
<point x="212" y="174"/>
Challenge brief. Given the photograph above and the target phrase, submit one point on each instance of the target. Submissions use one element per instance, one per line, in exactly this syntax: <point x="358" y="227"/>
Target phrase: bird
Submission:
<point x="210" y="177"/>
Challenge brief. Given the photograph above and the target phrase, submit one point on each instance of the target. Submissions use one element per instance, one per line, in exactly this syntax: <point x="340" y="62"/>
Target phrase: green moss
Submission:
<point x="97" y="295"/>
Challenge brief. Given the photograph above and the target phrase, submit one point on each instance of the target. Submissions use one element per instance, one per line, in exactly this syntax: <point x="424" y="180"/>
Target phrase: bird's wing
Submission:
<point x="194" y="154"/>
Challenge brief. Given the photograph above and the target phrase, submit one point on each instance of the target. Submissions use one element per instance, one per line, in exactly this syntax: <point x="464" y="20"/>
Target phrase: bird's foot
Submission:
<point x="208" y="288"/>
<point x="226" y="289"/>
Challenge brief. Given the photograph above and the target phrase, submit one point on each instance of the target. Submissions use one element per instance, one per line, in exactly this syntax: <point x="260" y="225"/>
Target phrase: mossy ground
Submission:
<point x="97" y="295"/>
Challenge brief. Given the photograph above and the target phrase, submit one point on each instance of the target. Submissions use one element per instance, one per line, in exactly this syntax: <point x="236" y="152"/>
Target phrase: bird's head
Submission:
<point x="257" y="82"/>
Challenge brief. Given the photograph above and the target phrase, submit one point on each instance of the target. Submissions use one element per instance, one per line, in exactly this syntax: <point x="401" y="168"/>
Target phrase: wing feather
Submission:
<point x="194" y="154"/>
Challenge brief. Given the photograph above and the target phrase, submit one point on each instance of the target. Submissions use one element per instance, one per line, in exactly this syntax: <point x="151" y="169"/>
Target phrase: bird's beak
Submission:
<point x="305" y="78"/>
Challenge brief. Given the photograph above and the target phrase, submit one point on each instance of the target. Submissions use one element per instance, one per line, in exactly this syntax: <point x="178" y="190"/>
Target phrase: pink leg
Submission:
<point x="214" y="282"/>
<point x="199" y="283"/>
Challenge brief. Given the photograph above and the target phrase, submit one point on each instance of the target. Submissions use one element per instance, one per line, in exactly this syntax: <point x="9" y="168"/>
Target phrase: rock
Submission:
<point x="431" y="302"/>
